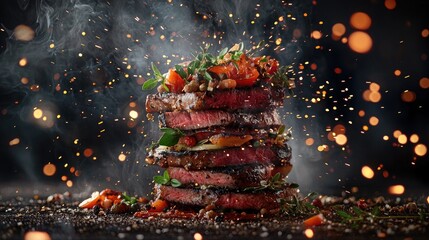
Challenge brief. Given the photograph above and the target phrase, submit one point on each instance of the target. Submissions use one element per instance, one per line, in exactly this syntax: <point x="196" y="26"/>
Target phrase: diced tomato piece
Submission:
<point x="108" y="192"/>
<point x="190" y="141"/>
<point x="269" y="65"/>
<point x="273" y="66"/>
<point x="221" y="69"/>
<point x="314" y="220"/>
<point x="174" y="82"/>
<point x="158" y="206"/>
<point x="248" y="79"/>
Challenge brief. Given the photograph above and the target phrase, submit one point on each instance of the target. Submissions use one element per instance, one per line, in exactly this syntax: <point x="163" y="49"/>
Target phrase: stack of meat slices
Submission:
<point x="238" y="147"/>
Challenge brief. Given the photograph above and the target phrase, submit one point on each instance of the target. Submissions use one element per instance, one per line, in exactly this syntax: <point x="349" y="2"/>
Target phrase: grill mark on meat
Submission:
<point x="234" y="99"/>
<point x="231" y="177"/>
<point x="197" y="160"/>
<point x="222" y="199"/>
<point x="212" y="118"/>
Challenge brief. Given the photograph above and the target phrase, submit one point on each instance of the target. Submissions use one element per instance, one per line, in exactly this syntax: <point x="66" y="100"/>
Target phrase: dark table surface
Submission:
<point x="25" y="211"/>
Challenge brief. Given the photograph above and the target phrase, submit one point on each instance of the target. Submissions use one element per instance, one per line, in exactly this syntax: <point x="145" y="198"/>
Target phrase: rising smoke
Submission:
<point x="87" y="62"/>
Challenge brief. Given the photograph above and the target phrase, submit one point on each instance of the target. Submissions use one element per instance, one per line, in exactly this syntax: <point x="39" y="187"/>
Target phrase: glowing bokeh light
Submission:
<point x="134" y="114"/>
<point x="37" y="235"/>
<point x="374" y="97"/>
<point x="88" y="152"/>
<point x="360" y="42"/>
<point x="397" y="72"/>
<point x="38" y="113"/>
<point x="408" y="96"/>
<point x="69" y="183"/>
<point x="373" y="121"/>
<point x="367" y="172"/>
<point x="360" y="21"/>
<point x="341" y="139"/>
<point x="397" y="133"/>
<point x="396" y="189"/>
<point x="374" y="87"/>
<point x="338" y="30"/>
<point x="22" y="62"/>
<point x="420" y="149"/>
<point x="309" y="233"/>
<point x="316" y="34"/>
<point x="425" y="33"/>
<point x="23" y="33"/>
<point x="14" y="141"/>
<point x="402" y="139"/>
<point x="339" y="129"/>
<point x="198" y="236"/>
<point x="24" y="80"/>
<point x="424" y="82"/>
<point x="122" y="157"/>
<point x="309" y="141"/>
<point x="414" y="138"/>
<point x="49" y="169"/>
<point x="390" y="4"/>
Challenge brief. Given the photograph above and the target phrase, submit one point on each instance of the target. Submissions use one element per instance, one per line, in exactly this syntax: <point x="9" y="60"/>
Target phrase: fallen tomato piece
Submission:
<point x="90" y="202"/>
<point x="158" y="206"/>
<point x="314" y="220"/>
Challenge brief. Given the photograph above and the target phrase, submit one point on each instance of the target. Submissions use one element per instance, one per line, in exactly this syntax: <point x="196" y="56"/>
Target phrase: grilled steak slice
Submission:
<point x="202" y="119"/>
<point x="222" y="199"/>
<point x="196" y="160"/>
<point x="233" y="99"/>
<point x="230" y="177"/>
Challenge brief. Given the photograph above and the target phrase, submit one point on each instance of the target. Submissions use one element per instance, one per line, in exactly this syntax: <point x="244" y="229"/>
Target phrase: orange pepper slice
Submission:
<point x="230" y="141"/>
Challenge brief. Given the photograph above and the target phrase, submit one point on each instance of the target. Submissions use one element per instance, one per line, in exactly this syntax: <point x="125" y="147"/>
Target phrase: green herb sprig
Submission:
<point x="275" y="183"/>
<point x="296" y="205"/>
<point x="356" y="215"/>
<point x="153" y="82"/>
<point x="129" y="200"/>
<point x="170" y="136"/>
<point x="165" y="179"/>
<point x="281" y="78"/>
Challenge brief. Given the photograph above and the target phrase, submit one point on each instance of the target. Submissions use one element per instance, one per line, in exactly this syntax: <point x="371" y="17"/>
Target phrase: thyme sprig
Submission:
<point x="281" y="78"/>
<point x="275" y="183"/>
<point x="297" y="206"/>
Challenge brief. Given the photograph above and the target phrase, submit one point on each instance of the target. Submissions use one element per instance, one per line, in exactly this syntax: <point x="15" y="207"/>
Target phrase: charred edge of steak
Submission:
<point x="229" y="177"/>
<point x="214" y="118"/>
<point x="197" y="160"/>
<point x="251" y="99"/>
<point x="222" y="199"/>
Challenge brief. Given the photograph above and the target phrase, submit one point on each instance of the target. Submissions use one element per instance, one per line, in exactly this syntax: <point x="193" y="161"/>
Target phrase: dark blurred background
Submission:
<point x="72" y="109"/>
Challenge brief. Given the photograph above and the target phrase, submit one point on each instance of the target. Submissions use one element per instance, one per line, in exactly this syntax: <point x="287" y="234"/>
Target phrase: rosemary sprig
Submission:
<point x="356" y="215"/>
